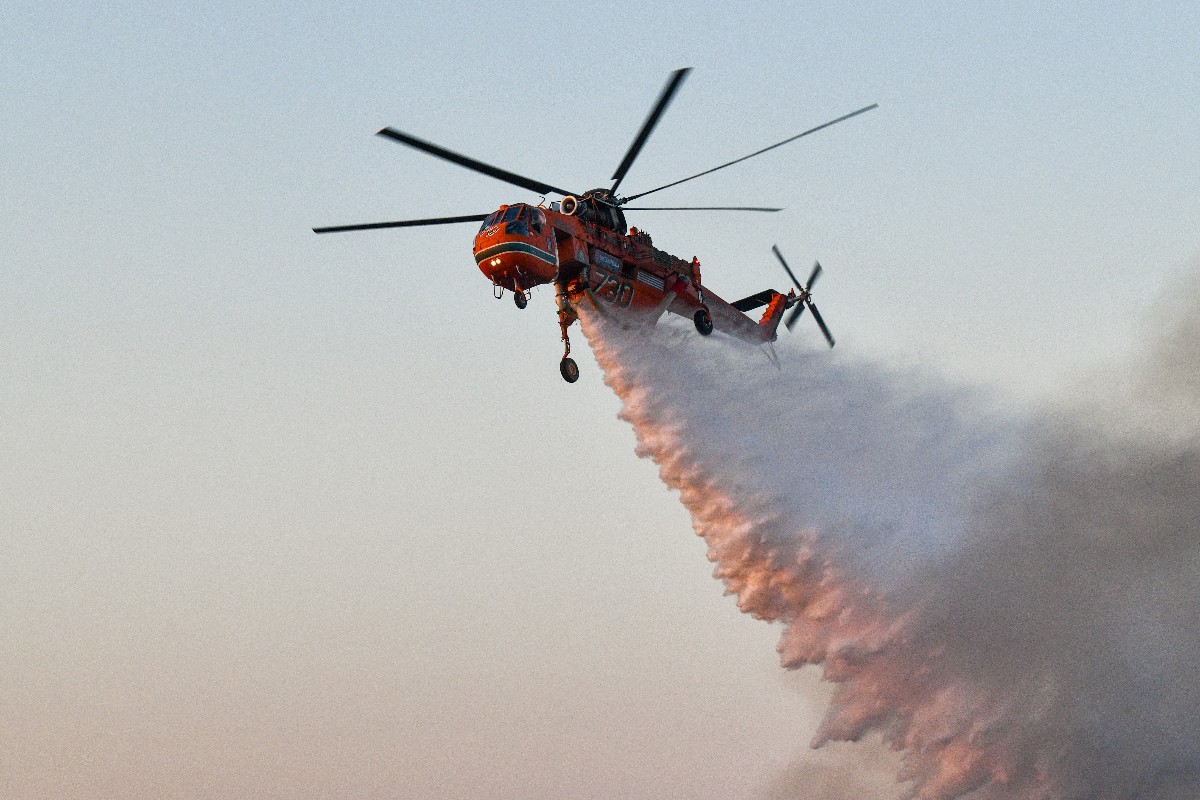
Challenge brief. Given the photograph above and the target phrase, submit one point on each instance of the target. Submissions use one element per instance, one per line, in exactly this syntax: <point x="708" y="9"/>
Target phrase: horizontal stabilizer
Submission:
<point x="754" y="301"/>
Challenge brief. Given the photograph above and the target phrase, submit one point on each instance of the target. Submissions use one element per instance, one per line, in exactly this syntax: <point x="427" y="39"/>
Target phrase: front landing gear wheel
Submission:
<point x="703" y="322"/>
<point x="569" y="369"/>
<point x="521" y="299"/>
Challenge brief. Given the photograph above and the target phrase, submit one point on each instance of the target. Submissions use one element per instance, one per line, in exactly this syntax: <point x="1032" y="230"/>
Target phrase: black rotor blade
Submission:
<point x="406" y="223"/>
<point x="664" y="100"/>
<point x="470" y="163"/>
<point x="821" y="324"/>
<point x="756" y="153"/>
<point x="792" y="275"/>
<point x="795" y="315"/>
<point x="816" y="273"/>
<point x="700" y="208"/>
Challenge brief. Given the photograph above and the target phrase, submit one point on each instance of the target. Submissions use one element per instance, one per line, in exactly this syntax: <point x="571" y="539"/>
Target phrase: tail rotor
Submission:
<point x="803" y="296"/>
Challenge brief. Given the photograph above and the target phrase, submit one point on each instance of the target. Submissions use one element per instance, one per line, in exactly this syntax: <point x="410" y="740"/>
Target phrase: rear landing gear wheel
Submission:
<point x="521" y="299"/>
<point x="569" y="369"/>
<point x="703" y="322"/>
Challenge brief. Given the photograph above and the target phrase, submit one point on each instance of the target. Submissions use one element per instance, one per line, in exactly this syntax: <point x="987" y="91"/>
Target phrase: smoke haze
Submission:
<point x="1011" y="603"/>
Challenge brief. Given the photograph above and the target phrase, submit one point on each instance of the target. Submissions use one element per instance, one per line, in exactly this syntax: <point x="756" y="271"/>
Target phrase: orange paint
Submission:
<point x="519" y="247"/>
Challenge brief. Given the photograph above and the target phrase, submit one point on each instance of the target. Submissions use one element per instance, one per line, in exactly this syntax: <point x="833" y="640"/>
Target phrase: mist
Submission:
<point x="1008" y="600"/>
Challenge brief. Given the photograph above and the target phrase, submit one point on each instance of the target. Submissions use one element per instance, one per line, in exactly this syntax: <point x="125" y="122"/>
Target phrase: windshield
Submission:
<point x="492" y="219"/>
<point x="517" y="219"/>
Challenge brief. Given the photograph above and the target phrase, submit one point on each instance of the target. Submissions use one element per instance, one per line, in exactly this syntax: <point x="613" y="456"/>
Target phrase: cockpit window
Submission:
<point x="516" y="220"/>
<point x="536" y="219"/>
<point x="490" y="221"/>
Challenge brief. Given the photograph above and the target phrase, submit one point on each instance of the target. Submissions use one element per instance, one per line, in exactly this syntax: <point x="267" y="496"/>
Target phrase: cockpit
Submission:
<point x="515" y="248"/>
<point x="518" y="220"/>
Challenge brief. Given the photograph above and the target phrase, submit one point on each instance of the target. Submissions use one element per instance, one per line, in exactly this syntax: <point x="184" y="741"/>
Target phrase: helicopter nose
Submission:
<point x="514" y="262"/>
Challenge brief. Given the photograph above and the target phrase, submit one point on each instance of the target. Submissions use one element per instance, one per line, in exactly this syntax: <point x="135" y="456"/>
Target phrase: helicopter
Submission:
<point x="583" y="245"/>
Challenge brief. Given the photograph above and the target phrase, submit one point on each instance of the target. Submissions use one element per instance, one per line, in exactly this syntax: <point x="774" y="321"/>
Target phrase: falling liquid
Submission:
<point x="1013" y="604"/>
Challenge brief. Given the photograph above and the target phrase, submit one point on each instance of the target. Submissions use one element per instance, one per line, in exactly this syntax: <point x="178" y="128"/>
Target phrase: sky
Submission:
<point x="287" y="514"/>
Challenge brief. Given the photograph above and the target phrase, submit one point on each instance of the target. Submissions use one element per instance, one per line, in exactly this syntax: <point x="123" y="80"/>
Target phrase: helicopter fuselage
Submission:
<point x="520" y="246"/>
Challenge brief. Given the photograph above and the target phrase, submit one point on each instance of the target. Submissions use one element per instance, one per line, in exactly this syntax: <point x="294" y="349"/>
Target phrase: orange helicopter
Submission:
<point x="583" y="246"/>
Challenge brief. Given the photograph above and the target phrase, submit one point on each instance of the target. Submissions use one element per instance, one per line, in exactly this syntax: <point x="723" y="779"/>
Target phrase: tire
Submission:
<point x="521" y="299"/>
<point x="569" y="370"/>
<point x="703" y="322"/>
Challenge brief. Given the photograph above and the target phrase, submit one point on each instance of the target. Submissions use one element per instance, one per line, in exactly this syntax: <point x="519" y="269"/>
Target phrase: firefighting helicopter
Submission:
<point x="583" y="246"/>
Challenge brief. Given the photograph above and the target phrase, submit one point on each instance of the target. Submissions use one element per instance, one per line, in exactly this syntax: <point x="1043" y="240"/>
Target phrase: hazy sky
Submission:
<point x="287" y="515"/>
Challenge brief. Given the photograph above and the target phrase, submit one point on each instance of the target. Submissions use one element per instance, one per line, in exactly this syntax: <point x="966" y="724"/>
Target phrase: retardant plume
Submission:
<point x="1011" y="603"/>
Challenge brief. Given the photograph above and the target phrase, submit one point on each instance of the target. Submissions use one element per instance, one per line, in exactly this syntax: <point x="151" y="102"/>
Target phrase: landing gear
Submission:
<point x="521" y="299"/>
<point x="569" y="369"/>
<point x="566" y="315"/>
<point x="703" y="322"/>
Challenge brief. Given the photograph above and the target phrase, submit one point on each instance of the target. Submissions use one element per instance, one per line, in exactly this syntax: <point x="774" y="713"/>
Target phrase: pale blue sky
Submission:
<point x="285" y="513"/>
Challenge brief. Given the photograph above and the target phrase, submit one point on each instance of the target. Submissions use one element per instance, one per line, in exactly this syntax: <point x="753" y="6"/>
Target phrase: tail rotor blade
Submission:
<point x="821" y="324"/>
<point x="804" y="298"/>
<point x="792" y="275"/>
<point x="795" y="315"/>
<point x="816" y="273"/>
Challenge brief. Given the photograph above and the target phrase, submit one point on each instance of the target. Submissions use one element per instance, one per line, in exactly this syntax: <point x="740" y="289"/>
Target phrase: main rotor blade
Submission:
<point x="407" y="223"/>
<point x="700" y="208"/>
<point x="664" y="100"/>
<point x="792" y="275"/>
<point x="816" y="273"/>
<point x="756" y="153"/>
<point x="821" y="324"/>
<point x="470" y="163"/>
<point x="795" y="315"/>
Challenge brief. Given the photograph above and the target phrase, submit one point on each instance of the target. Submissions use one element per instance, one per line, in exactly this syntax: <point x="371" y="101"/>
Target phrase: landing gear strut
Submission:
<point x="566" y="315"/>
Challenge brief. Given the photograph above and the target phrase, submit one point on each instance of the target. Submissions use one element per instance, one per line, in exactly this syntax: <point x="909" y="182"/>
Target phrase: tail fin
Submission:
<point x="776" y="304"/>
<point x="774" y="313"/>
<point x="755" y="300"/>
